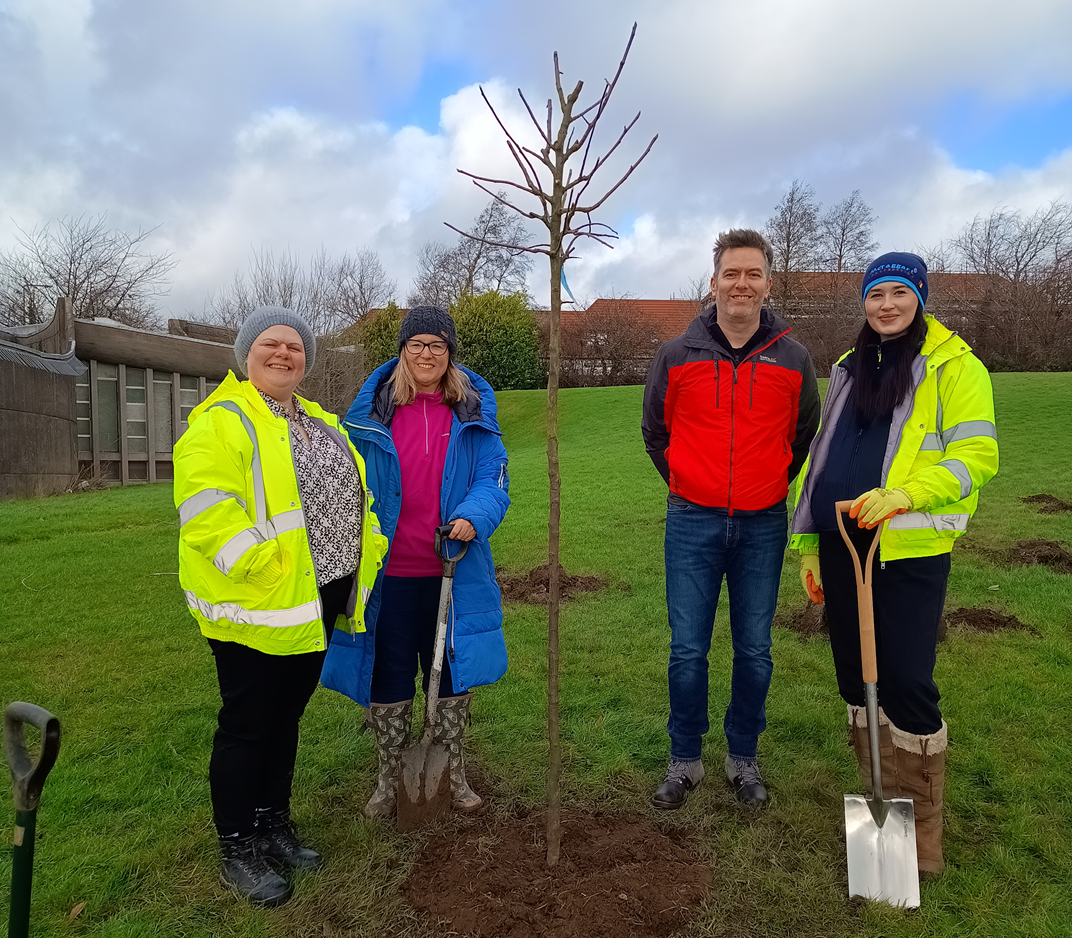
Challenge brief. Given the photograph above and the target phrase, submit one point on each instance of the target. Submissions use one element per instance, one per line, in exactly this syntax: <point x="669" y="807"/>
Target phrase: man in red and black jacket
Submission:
<point x="730" y="409"/>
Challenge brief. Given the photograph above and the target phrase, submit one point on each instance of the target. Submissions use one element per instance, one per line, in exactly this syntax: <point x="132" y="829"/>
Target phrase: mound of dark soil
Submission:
<point x="618" y="876"/>
<point x="532" y="587"/>
<point x="1044" y="553"/>
<point x="1047" y="504"/>
<point x="807" y="621"/>
<point x="984" y="620"/>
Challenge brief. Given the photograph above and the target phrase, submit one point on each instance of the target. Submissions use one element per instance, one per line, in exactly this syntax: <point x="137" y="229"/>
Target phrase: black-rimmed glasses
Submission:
<point x="417" y="347"/>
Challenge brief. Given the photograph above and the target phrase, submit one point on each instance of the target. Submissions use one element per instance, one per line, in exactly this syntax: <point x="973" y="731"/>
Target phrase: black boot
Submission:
<point x="247" y="872"/>
<point x="277" y="841"/>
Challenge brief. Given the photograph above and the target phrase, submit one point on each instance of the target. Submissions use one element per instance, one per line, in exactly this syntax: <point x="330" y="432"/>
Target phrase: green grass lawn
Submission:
<point x="94" y="629"/>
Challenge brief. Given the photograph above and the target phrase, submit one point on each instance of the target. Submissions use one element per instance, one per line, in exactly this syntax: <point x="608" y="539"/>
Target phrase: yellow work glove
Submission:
<point x="810" y="578"/>
<point x="878" y="505"/>
<point x="261" y="565"/>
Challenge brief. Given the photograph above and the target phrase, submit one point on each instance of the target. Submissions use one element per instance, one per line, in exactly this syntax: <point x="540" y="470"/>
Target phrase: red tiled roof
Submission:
<point x="670" y="317"/>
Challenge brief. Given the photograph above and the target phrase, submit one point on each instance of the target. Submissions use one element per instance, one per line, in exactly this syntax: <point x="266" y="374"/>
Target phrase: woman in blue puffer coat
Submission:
<point x="427" y="430"/>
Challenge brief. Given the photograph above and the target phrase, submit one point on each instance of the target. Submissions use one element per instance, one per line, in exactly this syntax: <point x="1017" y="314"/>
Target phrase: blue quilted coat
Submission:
<point x="475" y="487"/>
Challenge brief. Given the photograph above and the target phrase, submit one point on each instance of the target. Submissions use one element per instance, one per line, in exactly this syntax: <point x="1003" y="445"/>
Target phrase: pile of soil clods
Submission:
<point x="534" y="587"/>
<point x="618" y="876"/>
<point x="1043" y="553"/>
<point x="985" y="620"/>
<point x="806" y="621"/>
<point x="1047" y="504"/>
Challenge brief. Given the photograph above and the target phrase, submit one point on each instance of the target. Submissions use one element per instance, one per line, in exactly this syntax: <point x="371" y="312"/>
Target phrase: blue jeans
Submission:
<point x="702" y="546"/>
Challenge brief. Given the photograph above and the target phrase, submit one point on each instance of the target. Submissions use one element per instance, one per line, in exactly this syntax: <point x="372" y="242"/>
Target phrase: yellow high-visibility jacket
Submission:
<point x="237" y="492"/>
<point x="942" y="449"/>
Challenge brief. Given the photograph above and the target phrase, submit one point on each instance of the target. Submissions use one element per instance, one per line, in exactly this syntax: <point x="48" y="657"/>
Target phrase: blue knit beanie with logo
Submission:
<point x="264" y="318"/>
<point x="900" y="267"/>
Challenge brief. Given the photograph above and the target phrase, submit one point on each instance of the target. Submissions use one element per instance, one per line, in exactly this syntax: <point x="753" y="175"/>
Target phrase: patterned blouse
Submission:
<point x="330" y="491"/>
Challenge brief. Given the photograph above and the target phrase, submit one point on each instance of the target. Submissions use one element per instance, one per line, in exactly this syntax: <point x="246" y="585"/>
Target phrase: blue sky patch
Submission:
<point x="421" y="106"/>
<point x="981" y="134"/>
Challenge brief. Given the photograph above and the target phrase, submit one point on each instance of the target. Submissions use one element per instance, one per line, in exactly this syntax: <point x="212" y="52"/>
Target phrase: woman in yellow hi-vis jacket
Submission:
<point x="278" y="545"/>
<point x="908" y="435"/>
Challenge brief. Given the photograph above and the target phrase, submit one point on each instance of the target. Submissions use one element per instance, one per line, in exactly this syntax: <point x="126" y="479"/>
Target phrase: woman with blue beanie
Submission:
<point x="428" y="431"/>
<point x="908" y="436"/>
<point x="278" y="544"/>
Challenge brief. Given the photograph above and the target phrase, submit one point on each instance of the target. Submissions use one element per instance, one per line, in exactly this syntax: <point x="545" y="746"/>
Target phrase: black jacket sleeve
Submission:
<point x="808" y="412"/>
<point x="652" y="423"/>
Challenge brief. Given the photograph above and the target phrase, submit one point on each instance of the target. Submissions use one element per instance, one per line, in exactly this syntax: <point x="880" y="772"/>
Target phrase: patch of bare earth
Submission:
<point x="984" y="620"/>
<point x="533" y="587"/>
<point x="806" y="621"/>
<point x="618" y="876"/>
<point x="1041" y="553"/>
<point x="1047" y="504"/>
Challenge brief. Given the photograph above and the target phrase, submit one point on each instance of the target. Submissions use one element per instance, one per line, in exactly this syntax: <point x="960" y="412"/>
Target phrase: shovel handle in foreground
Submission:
<point x="28" y="778"/>
<point x="442" y="535"/>
<point x="868" y="656"/>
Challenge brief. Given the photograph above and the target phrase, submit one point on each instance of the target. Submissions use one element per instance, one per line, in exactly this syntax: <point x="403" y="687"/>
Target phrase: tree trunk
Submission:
<point x="554" y="769"/>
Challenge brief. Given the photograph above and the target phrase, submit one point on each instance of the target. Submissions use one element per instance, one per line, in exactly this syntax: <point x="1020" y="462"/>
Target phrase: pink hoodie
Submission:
<point x="421" y="432"/>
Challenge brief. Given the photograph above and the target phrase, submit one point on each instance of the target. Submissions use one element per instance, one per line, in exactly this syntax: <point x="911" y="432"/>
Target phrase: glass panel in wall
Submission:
<point x="137" y="441"/>
<point x="82" y="412"/>
<point x="108" y="408"/>
<point x="162" y="414"/>
<point x="188" y="399"/>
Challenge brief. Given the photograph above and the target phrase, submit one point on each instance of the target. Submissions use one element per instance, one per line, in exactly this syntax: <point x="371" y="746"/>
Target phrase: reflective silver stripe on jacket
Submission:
<point x="260" y="504"/>
<point x="960" y="473"/>
<point x="231" y="552"/>
<point x="376" y="529"/>
<point x="922" y="519"/>
<point x="965" y="430"/>
<point x="204" y="500"/>
<point x="284" y="521"/>
<point x="365" y="594"/>
<point x="271" y="618"/>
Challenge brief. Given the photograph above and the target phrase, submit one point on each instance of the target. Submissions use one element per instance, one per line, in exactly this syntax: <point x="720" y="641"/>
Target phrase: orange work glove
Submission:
<point x="810" y="577"/>
<point x="878" y="505"/>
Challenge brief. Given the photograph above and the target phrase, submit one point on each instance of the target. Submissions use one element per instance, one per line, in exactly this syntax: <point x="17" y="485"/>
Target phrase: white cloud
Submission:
<point x="238" y="125"/>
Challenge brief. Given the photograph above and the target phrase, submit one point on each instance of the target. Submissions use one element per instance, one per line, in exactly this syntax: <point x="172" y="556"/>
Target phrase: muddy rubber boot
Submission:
<point x="390" y="726"/>
<point x="920" y="766"/>
<point x="247" y="872"/>
<point x="452" y="717"/>
<point x="862" y="747"/>
<point x="277" y="841"/>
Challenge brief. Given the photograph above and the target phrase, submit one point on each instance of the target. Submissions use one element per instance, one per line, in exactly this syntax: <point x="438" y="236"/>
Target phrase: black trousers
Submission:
<point x="909" y="596"/>
<point x="256" y="741"/>
<point x="405" y="635"/>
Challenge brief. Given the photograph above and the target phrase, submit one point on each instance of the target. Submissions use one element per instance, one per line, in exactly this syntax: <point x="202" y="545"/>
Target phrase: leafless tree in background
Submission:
<point x="105" y="271"/>
<point x="608" y="345"/>
<point x="490" y="255"/>
<point x="794" y="233"/>
<point x="557" y="176"/>
<point x="847" y="239"/>
<point x="698" y="290"/>
<point x="330" y="292"/>
<point x="1019" y="308"/>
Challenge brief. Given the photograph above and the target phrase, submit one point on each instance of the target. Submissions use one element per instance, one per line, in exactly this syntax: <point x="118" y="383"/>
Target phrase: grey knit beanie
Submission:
<point x="264" y="318"/>
<point x="428" y="320"/>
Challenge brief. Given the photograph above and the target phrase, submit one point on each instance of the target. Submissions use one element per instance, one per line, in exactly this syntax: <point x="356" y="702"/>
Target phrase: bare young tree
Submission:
<point x="490" y="255"/>
<point x="698" y="290"/>
<point x="330" y="292"/>
<point x="795" y="235"/>
<point x="105" y="271"/>
<point x="557" y="172"/>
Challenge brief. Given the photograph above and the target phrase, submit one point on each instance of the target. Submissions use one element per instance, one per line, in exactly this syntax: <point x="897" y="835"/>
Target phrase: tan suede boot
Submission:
<point x="862" y="745"/>
<point x="453" y="714"/>
<point x="390" y="726"/>
<point x="920" y="765"/>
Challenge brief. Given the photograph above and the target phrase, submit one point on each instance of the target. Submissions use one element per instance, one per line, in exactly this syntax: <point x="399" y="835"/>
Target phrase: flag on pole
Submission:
<point x="565" y="286"/>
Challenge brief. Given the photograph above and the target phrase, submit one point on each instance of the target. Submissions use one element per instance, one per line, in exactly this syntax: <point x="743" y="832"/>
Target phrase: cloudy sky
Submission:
<point x="237" y="125"/>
